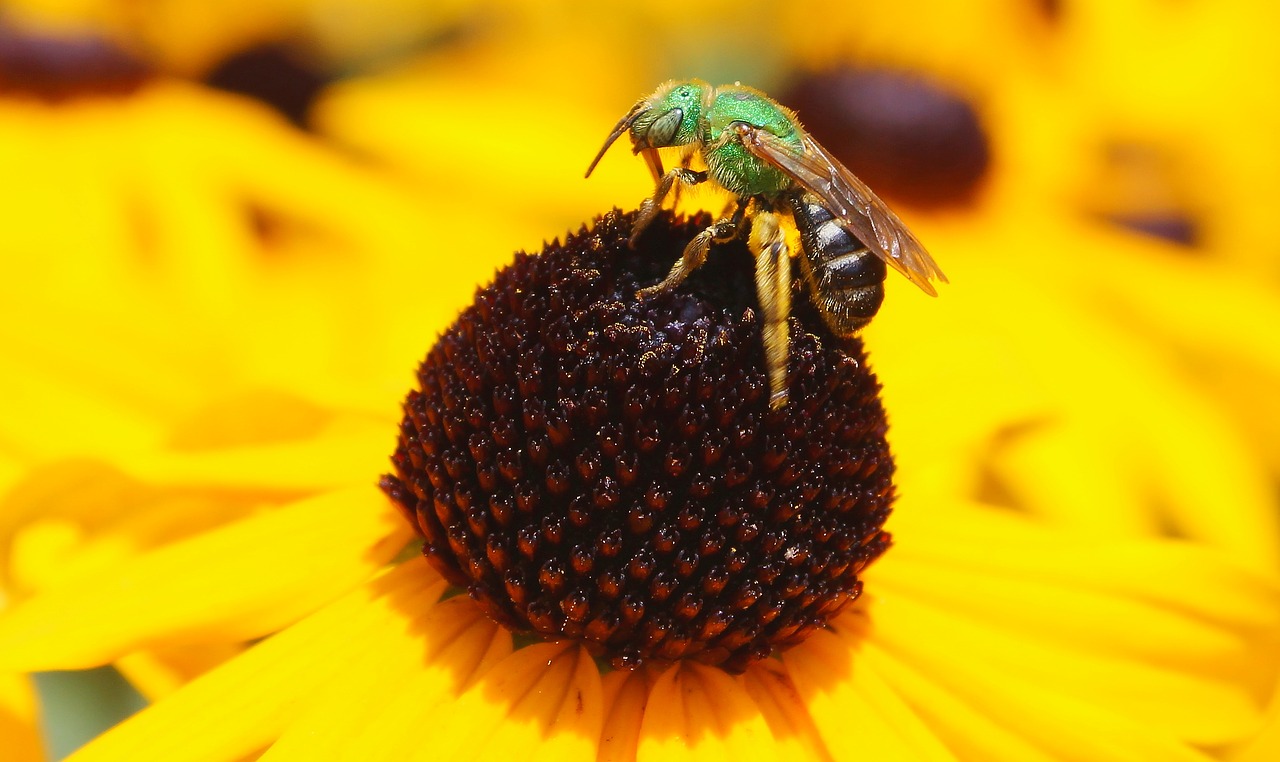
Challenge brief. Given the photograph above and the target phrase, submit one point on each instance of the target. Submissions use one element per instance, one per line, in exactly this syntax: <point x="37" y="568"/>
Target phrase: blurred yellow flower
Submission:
<point x="227" y="327"/>
<point x="138" y="222"/>
<point x="193" y="210"/>
<point x="1145" y="112"/>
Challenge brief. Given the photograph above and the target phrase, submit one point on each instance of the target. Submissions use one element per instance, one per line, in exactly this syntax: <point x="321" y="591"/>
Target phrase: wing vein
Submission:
<point x="855" y="206"/>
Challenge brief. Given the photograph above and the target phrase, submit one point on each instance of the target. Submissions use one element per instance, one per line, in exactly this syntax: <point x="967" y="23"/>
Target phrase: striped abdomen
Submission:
<point x="846" y="281"/>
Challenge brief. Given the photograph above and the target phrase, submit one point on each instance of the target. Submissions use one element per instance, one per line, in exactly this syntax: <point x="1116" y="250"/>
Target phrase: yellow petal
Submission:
<point x="780" y="704"/>
<point x="677" y="723"/>
<point x="448" y="634"/>
<point x="1071" y="730"/>
<point x="19" y="733"/>
<point x="53" y="403"/>
<point x="969" y="733"/>
<point x="1182" y="577"/>
<point x="1101" y="622"/>
<point x="234" y="583"/>
<point x="411" y="713"/>
<point x="543" y="702"/>
<point x="72" y="519"/>
<point x="1221" y="335"/>
<point x="158" y="673"/>
<point x="626" y="694"/>
<point x="1099" y="492"/>
<point x="389" y="117"/>
<point x="1266" y="745"/>
<point x="758" y="716"/>
<point x="700" y="713"/>
<point x="1193" y="456"/>
<point x="857" y="714"/>
<point x="347" y="451"/>
<point x="1017" y="404"/>
<point x="242" y="706"/>
<point x="971" y="656"/>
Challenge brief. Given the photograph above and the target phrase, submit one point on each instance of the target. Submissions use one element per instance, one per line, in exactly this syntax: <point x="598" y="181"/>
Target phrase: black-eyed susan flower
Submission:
<point x="228" y="299"/>
<point x="978" y="635"/>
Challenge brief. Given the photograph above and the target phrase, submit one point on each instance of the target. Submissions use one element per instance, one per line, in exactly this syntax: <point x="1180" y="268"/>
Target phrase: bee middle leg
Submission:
<point x="695" y="253"/>
<point x="773" y="290"/>
<point x="650" y="207"/>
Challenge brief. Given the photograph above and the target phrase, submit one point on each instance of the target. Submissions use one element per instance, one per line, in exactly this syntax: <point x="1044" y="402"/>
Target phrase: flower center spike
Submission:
<point x="593" y="466"/>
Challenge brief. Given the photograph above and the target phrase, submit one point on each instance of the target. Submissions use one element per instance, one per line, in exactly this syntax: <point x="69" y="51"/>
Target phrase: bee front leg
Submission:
<point x="650" y="207"/>
<point x="773" y="289"/>
<point x="695" y="253"/>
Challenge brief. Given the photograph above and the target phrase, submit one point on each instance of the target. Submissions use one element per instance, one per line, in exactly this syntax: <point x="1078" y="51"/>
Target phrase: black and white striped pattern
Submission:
<point x="846" y="280"/>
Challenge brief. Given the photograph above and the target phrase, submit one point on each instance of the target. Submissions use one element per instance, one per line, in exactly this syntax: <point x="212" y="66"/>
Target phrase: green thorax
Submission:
<point x="730" y="164"/>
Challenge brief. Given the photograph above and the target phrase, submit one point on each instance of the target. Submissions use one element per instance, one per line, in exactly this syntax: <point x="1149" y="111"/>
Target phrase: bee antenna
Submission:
<point x="621" y="127"/>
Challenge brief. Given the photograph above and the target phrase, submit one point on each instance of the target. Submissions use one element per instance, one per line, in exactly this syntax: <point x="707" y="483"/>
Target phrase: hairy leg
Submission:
<point x="650" y="207"/>
<point x="773" y="290"/>
<point x="695" y="254"/>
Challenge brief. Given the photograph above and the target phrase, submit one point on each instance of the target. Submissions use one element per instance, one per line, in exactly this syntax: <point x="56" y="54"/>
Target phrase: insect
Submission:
<point x="756" y="150"/>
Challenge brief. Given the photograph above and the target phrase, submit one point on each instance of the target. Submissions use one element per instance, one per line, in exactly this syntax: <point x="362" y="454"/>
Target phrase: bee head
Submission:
<point x="667" y="118"/>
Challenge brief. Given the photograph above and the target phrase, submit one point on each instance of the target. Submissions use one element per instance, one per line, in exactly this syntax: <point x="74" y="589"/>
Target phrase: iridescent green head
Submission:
<point x="669" y="117"/>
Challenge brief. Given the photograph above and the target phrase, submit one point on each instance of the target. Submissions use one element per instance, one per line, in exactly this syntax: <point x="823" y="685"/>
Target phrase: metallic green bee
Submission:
<point x="756" y="150"/>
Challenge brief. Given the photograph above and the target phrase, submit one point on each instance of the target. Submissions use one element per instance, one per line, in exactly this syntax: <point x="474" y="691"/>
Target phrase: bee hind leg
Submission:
<point x="695" y="253"/>
<point x="773" y="290"/>
<point x="650" y="207"/>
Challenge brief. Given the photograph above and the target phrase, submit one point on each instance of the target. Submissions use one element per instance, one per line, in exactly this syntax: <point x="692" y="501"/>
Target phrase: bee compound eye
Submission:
<point x="663" y="130"/>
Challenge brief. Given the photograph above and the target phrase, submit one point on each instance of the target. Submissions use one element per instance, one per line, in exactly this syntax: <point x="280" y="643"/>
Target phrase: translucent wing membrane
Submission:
<point x="854" y="205"/>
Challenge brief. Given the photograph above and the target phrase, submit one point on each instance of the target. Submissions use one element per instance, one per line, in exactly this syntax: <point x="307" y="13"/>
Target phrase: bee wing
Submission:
<point x="855" y="206"/>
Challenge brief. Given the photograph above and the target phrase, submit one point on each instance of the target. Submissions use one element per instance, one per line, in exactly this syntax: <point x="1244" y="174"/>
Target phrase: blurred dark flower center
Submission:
<point x="903" y="135"/>
<point x="592" y="466"/>
<point x="274" y="74"/>
<point x="57" y="67"/>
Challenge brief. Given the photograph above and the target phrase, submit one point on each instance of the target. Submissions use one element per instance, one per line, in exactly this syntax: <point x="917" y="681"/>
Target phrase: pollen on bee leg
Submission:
<point x="773" y="288"/>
